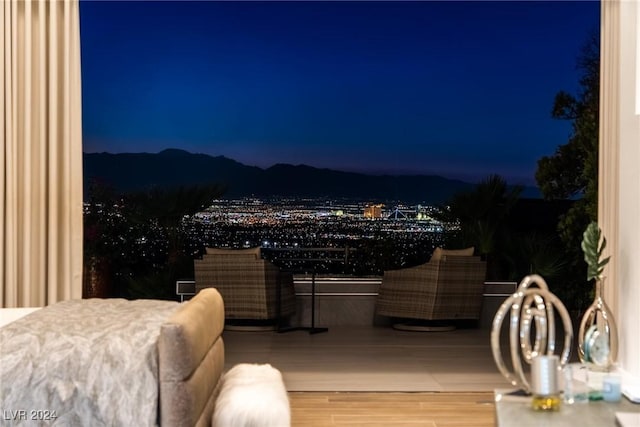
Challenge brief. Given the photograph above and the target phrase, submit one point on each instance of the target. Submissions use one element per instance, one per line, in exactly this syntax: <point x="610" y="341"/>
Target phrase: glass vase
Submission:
<point x="598" y="334"/>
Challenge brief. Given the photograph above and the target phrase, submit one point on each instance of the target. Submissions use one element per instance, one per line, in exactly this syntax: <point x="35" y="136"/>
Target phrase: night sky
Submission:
<point x="460" y="89"/>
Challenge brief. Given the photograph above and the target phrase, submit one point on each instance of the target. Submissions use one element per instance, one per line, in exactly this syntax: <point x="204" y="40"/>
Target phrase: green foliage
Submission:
<point x="572" y="171"/>
<point x="593" y="251"/>
<point x="544" y="254"/>
<point x="489" y="202"/>
<point x="169" y="205"/>
<point x="158" y="282"/>
<point x="534" y="253"/>
<point x="165" y="208"/>
<point x="102" y="220"/>
<point x="482" y="213"/>
<point x="141" y="235"/>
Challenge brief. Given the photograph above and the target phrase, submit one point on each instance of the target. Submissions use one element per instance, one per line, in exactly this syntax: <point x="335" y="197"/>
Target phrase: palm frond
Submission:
<point x="593" y="251"/>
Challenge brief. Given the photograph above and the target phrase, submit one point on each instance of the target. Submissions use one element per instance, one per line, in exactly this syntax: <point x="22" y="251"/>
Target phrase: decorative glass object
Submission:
<point x="612" y="388"/>
<point x="598" y="334"/>
<point x="576" y="383"/>
<point x="531" y="311"/>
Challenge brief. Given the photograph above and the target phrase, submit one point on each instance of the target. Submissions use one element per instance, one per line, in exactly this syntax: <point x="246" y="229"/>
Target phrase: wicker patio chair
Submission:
<point x="449" y="288"/>
<point x="249" y="285"/>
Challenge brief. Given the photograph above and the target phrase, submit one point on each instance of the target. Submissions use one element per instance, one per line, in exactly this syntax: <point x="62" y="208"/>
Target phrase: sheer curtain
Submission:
<point x="41" y="153"/>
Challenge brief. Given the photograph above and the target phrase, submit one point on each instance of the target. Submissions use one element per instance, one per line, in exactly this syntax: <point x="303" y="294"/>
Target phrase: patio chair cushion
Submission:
<point x="438" y="253"/>
<point x="251" y="251"/>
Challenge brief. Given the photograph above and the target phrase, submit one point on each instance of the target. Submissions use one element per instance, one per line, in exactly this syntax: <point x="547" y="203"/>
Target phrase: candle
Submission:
<point x="546" y="393"/>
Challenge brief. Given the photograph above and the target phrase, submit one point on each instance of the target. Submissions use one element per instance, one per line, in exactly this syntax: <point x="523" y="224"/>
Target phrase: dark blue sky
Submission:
<point x="461" y="89"/>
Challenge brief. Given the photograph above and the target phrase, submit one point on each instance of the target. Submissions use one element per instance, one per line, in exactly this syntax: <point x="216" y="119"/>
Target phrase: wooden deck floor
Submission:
<point x="322" y="409"/>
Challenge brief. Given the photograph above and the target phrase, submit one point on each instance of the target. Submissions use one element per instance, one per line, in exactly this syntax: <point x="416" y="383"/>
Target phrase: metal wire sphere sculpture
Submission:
<point x="532" y="305"/>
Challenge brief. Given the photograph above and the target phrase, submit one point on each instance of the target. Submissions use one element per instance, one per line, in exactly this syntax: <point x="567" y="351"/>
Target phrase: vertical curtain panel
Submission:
<point x="41" y="153"/>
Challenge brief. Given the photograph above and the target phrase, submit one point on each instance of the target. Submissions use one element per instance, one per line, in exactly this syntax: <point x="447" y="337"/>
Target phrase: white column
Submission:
<point x="619" y="176"/>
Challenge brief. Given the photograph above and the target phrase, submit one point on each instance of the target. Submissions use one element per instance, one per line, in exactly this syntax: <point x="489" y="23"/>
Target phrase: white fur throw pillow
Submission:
<point x="252" y="395"/>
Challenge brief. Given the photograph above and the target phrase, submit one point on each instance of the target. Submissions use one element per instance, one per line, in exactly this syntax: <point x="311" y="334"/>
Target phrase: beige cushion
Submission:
<point x="250" y="251"/>
<point x="438" y="253"/>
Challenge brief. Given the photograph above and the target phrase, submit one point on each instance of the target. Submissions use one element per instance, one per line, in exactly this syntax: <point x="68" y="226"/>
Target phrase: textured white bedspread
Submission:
<point x="83" y="363"/>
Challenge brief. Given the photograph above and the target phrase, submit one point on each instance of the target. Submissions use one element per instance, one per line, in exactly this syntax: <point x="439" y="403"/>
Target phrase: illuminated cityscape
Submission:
<point x="146" y="255"/>
<point x="372" y="237"/>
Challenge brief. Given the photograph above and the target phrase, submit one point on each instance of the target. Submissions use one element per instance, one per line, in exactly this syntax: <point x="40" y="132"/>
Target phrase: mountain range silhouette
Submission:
<point x="127" y="172"/>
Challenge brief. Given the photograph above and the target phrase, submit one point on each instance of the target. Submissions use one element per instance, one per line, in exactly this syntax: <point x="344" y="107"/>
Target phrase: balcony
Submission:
<point x="361" y="353"/>
<point x="350" y="301"/>
<point x="342" y="300"/>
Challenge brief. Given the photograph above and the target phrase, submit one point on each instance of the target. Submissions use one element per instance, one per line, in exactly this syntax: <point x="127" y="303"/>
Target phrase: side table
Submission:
<point x="514" y="410"/>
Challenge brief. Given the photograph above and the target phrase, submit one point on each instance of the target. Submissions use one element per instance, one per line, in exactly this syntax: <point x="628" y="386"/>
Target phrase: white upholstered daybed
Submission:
<point x="113" y="362"/>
